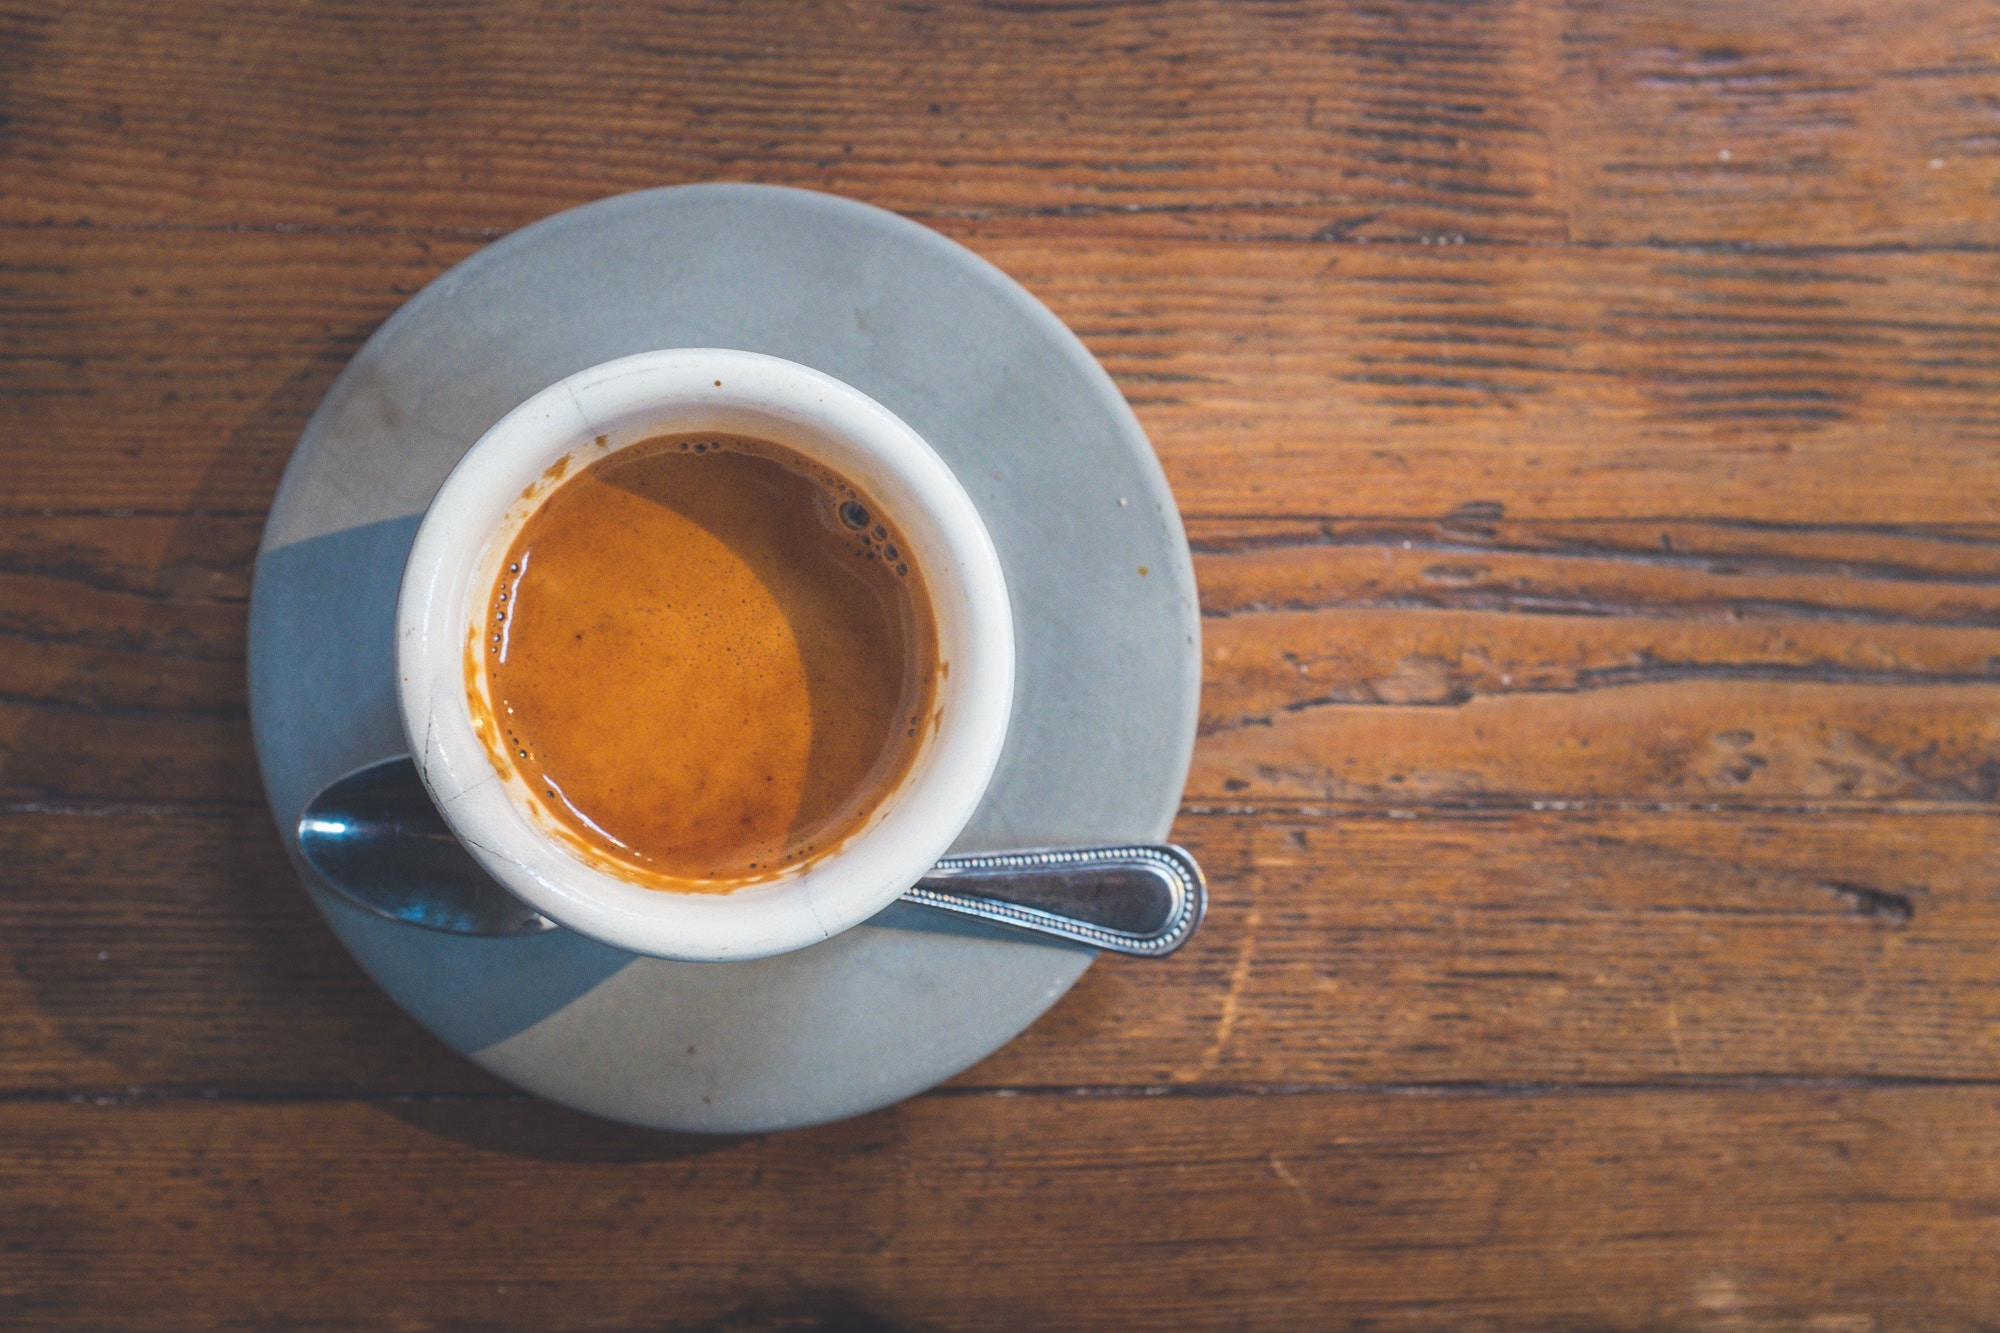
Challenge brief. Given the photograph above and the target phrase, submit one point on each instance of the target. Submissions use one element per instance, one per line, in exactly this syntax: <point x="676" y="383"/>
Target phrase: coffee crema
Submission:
<point x="707" y="658"/>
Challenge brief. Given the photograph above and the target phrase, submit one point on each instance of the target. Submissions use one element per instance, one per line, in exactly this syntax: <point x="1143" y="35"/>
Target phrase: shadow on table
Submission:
<point x="809" y="1310"/>
<point x="535" y="1130"/>
<point x="172" y="947"/>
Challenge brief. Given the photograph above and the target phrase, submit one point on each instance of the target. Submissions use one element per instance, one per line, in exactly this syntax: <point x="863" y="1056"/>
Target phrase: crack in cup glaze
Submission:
<point x="689" y="575"/>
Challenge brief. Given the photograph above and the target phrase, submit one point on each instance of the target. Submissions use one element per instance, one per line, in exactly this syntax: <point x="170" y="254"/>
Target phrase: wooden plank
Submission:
<point x="1485" y="661"/>
<point x="123" y="674"/>
<point x="1200" y="118"/>
<point x="1695" y="741"/>
<point x="54" y="756"/>
<point x="179" y="951"/>
<point x="1421" y="947"/>
<point x="175" y="952"/>
<point x="1477" y="560"/>
<point x="180" y="556"/>
<point x="1795" y="1209"/>
<point x="1552" y="383"/>
<point x="1796" y="123"/>
<point x="1472" y="661"/>
<point x="153" y="372"/>
<point x="1842" y="123"/>
<point x="1275" y="380"/>
<point x="1585" y="414"/>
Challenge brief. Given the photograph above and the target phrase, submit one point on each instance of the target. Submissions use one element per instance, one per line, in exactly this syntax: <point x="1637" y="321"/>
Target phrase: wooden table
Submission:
<point x="1587" y="419"/>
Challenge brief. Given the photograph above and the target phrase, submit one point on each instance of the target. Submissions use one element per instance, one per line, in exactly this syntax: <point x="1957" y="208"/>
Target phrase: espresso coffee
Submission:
<point x="708" y="658"/>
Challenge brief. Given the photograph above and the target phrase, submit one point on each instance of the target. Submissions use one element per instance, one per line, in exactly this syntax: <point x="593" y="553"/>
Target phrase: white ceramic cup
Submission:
<point x="465" y="536"/>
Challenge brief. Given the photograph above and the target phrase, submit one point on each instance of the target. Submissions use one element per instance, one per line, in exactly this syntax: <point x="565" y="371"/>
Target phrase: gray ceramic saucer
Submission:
<point x="1104" y="606"/>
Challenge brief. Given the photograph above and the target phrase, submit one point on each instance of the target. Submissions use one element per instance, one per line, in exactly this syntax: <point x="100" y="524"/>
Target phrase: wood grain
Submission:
<point x="1796" y="123"/>
<point x="122" y="678"/>
<point x="1585" y="415"/>
<point x="1471" y="660"/>
<point x="1801" y="1209"/>
<point x="1411" y="381"/>
<point x="178" y="951"/>
<point x="1487" y="661"/>
<point x="1847" y="123"/>
<point x="156" y="373"/>
<point x="1202" y="117"/>
<point x="174" y="952"/>
<point x="1275" y="380"/>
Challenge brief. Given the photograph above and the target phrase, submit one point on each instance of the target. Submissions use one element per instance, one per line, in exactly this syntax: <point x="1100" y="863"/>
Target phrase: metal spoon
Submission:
<point x="377" y="840"/>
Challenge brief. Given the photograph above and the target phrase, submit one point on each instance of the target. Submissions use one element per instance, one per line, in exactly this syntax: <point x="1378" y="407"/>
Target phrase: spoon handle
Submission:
<point x="1139" y="899"/>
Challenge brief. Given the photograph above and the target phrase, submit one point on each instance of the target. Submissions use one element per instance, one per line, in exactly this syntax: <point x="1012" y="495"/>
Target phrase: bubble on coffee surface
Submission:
<point x="876" y="540"/>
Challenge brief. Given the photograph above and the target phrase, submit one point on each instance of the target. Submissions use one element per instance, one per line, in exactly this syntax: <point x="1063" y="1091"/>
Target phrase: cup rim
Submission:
<point x="620" y="402"/>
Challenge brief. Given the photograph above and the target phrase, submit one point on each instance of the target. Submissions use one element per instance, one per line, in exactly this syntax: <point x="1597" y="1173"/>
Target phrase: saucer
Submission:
<point x="1106" y="624"/>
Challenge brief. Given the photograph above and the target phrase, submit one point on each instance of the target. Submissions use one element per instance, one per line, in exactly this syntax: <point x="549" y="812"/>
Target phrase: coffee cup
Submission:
<point x="447" y="637"/>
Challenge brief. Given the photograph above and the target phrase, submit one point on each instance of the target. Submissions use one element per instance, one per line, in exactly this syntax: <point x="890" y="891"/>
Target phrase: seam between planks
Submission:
<point x="1277" y="810"/>
<point x="176" y="1094"/>
<point x="1454" y="240"/>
